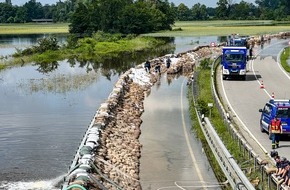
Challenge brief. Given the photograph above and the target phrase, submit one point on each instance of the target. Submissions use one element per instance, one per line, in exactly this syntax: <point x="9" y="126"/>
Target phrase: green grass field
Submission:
<point x="34" y="28"/>
<point x="185" y="28"/>
<point x="224" y="28"/>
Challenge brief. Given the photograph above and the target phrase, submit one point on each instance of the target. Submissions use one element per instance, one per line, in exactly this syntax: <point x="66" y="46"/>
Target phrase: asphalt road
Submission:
<point x="243" y="99"/>
<point x="172" y="157"/>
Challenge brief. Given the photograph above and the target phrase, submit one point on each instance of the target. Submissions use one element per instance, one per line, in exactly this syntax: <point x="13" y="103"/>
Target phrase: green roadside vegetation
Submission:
<point x="284" y="57"/>
<point x="199" y="100"/>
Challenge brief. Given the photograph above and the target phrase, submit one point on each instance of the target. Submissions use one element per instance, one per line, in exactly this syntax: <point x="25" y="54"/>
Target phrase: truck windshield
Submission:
<point x="238" y="43"/>
<point x="283" y="112"/>
<point x="234" y="57"/>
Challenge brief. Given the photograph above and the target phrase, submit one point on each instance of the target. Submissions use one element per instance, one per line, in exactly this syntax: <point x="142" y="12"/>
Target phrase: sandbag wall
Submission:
<point x="109" y="156"/>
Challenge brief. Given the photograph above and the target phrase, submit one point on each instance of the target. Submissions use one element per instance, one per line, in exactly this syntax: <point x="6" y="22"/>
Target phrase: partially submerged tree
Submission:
<point x="121" y="16"/>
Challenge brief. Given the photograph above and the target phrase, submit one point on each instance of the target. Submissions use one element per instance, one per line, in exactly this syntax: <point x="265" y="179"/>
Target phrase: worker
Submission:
<point x="168" y="62"/>
<point x="251" y="53"/>
<point x="157" y="67"/>
<point x="147" y="66"/>
<point x="275" y="130"/>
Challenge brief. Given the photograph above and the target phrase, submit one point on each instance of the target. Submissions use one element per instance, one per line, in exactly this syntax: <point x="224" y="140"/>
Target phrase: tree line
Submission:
<point x="138" y="16"/>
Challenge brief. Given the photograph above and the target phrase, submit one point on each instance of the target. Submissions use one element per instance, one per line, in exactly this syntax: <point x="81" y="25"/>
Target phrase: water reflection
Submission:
<point x="47" y="107"/>
<point x="46" y="67"/>
<point x="28" y="39"/>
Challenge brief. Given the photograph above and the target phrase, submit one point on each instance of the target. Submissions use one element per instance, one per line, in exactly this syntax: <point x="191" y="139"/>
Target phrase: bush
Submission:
<point x="44" y="44"/>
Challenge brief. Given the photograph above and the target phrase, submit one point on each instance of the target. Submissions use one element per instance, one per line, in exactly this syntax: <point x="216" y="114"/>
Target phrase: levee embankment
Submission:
<point x="108" y="157"/>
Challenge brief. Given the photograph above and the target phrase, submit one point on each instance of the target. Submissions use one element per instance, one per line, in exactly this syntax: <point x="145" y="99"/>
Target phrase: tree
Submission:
<point x="21" y="15"/>
<point x="199" y="12"/>
<point x="222" y="10"/>
<point x="183" y="12"/>
<point x="82" y="22"/>
<point x="34" y="10"/>
<point x="280" y="13"/>
<point x="162" y="14"/>
<point x="241" y="11"/>
<point x="110" y="12"/>
<point x="6" y="12"/>
<point x="267" y="7"/>
<point x="121" y="16"/>
<point x="135" y="18"/>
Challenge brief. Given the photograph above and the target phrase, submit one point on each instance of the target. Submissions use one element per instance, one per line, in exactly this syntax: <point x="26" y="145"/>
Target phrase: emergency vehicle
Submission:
<point x="234" y="57"/>
<point x="234" y="62"/>
<point x="274" y="107"/>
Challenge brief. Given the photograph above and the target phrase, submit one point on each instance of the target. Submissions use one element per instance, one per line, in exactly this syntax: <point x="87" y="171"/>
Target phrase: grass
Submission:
<point x="203" y="96"/>
<point x="180" y="28"/>
<point x="284" y="57"/>
<point x="224" y="28"/>
<point x="34" y="28"/>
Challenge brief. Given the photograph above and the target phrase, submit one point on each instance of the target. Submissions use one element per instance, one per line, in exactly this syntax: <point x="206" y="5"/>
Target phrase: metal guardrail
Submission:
<point x="233" y="172"/>
<point x="231" y="169"/>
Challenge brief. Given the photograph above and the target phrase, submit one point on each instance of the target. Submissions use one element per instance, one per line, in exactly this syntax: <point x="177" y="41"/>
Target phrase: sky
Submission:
<point x="188" y="3"/>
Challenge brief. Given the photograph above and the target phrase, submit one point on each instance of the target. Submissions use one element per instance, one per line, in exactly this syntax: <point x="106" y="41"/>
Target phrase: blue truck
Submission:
<point x="234" y="62"/>
<point x="237" y="40"/>
<point x="234" y="57"/>
<point x="274" y="107"/>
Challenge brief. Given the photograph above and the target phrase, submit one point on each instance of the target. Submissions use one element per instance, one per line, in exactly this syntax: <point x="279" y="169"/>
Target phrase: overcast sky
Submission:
<point x="188" y="3"/>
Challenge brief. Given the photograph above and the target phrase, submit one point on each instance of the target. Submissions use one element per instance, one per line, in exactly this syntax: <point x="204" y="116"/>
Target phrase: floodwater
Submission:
<point x="44" y="115"/>
<point x="171" y="156"/>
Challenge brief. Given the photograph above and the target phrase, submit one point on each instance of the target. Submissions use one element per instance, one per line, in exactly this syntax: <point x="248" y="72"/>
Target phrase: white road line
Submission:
<point x="227" y="100"/>
<point x="279" y="64"/>
<point x="243" y="124"/>
<point x="194" y="161"/>
<point x="276" y="62"/>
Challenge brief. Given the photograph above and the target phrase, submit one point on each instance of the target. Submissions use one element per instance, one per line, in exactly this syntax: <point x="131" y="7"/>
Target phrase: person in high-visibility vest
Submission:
<point x="276" y="129"/>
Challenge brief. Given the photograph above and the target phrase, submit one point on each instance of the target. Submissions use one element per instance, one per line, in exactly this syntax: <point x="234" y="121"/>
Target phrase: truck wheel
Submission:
<point x="224" y="77"/>
<point x="262" y="129"/>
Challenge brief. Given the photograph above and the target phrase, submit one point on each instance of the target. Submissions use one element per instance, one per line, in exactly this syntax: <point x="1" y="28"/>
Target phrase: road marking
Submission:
<point x="243" y="124"/>
<point x="279" y="64"/>
<point x="227" y="100"/>
<point x="276" y="62"/>
<point x="194" y="161"/>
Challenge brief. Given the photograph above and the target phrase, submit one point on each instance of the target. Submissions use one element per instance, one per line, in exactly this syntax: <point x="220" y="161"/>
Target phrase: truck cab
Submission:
<point x="238" y="41"/>
<point x="234" y="61"/>
<point x="281" y="108"/>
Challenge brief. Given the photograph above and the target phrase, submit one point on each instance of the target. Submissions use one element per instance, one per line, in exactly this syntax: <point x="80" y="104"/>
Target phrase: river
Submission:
<point x="44" y="115"/>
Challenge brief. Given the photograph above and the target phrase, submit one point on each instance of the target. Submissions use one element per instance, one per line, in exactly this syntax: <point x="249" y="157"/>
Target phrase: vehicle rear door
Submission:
<point x="266" y="116"/>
